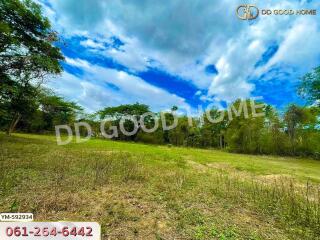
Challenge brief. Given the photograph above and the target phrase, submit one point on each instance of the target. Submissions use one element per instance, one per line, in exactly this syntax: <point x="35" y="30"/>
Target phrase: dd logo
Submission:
<point x="247" y="12"/>
<point x="266" y="12"/>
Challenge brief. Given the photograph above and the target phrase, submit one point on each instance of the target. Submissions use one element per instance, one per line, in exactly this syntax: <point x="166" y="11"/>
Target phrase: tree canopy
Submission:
<point x="310" y="86"/>
<point x="26" y="38"/>
<point x="27" y="56"/>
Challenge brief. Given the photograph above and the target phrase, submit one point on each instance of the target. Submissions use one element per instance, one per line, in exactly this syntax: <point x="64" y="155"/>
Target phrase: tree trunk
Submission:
<point x="222" y="141"/>
<point x="14" y="123"/>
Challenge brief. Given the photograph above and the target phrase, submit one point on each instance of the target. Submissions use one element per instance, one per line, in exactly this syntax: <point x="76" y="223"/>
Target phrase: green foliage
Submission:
<point x="243" y="132"/>
<point x="27" y="55"/>
<point x="213" y="134"/>
<point x="114" y="115"/>
<point x="26" y="41"/>
<point x="57" y="111"/>
<point x="136" y="109"/>
<point x="39" y="109"/>
<point x="310" y="86"/>
<point x="236" y="129"/>
<point x="151" y="138"/>
<point x="17" y="100"/>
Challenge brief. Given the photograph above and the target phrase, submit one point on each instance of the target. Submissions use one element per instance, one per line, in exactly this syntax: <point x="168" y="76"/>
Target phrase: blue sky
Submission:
<point x="184" y="53"/>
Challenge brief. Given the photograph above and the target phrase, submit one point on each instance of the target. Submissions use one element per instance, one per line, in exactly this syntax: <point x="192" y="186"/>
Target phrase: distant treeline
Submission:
<point x="28" y="55"/>
<point x="296" y="132"/>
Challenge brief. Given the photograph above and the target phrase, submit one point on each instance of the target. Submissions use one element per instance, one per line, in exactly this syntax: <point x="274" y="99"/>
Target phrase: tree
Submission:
<point x="213" y="134"/>
<point x="57" y="111"/>
<point x="244" y="132"/>
<point x="179" y="135"/>
<point x="310" y="86"/>
<point x="273" y="139"/>
<point x="18" y="100"/>
<point x="27" y="56"/>
<point x="41" y="112"/>
<point x="115" y="114"/>
<point x="298" y="119"/>
<point x="293" y="118"/>
<point x="136" y="109"/>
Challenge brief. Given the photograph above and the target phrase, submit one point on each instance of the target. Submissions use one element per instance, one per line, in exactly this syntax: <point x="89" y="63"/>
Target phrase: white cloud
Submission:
<point x="155" y="31"/>
<point x="231" y="83"/>
<point x="101" y="87"/>
<point x="129" y="55"/>
<point x="183" y="37"/>
<point x="92" y="44"/>
<point x="300" y="46"/>
<point x="198" y="93"/>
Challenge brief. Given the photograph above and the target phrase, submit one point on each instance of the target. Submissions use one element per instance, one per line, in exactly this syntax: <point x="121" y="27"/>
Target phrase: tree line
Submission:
<point x="295" y="132"/>
<point x="28" y="55"/>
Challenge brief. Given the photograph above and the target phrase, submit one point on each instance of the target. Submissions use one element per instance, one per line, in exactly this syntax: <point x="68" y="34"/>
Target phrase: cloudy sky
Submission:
<point x="181" y="52"/>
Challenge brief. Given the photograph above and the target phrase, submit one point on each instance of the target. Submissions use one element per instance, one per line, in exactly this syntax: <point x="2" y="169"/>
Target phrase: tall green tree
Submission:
<point x="310" y="86"/>
<point x="56" y="110"/>
<point x="299" y="120"/>
<point x="214" y="128"/>
<point x="18" y="100"/>
<point x="50" y="110"/>
<point x="27" y="56"/>
<point x="115" y="114"/>
<point x="244" y="130"/>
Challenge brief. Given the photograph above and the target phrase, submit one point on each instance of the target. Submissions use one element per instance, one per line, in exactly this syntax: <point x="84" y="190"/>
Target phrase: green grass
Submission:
<point x="139" y="191"/>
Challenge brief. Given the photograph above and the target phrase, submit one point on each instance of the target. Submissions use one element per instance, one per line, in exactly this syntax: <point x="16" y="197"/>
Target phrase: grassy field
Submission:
<point x="138" y="191"/>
